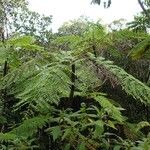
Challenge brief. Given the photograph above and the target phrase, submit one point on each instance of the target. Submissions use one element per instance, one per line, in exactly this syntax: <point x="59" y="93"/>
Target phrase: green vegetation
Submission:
<point x="82" y="88"/>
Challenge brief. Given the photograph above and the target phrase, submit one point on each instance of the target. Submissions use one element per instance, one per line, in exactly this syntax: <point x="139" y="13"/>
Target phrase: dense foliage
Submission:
<point x="82" y="88"/>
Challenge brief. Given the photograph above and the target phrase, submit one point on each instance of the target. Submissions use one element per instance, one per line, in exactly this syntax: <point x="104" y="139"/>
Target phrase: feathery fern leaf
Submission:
<point x="7" y="137"/>
<point x="111" y="109"/>
<point x="33" y="82"/>
<point x="30" y="126"/>
<point x="23" y="40"/>
<point x="130" y="84"/>
<point x="140" y="49"/>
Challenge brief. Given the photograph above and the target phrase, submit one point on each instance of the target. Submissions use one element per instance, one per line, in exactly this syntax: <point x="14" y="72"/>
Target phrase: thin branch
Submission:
<point x="144" y="9"/>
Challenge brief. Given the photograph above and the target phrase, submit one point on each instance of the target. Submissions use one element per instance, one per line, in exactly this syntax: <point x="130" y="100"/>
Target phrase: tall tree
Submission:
<point x="15" y="17"/>
<point x="7" y="10"/>
<point x="31" y="23"/>
<point x="76" y="26"/>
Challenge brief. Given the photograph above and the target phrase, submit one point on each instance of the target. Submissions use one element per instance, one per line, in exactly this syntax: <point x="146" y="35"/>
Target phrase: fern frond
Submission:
<point x="30" y="126"/>
<point x="18" y="50"/>
<point x="35" y="82"/>
<point x="21" y="40"/>
<point x="86" y="80"/>
<point x="24" y="43"/>
<point x="7" y="137"/>
<point x="111" y="109"/>
<point x="42" y="86"/>
<point x="19" y="74"/>
<point x="126" y="34"/>
<point x="140" y="49"/>
<point x="130" y="84"/>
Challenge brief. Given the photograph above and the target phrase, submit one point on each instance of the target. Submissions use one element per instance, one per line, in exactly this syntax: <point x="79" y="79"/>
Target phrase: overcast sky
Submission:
<point x="64" y="10"/>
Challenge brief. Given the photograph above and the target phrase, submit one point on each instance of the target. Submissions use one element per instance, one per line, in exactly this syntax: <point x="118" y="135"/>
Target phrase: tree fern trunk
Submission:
<point x="94" y="50"/>
<point x="95" y="54"/>
<point x="73" y="78"/>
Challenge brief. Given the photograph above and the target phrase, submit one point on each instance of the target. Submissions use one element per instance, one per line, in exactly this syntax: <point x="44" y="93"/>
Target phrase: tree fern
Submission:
<point x="42" y="79"/>
<point x="130" y="84"/>
<point x="36" y="83"/>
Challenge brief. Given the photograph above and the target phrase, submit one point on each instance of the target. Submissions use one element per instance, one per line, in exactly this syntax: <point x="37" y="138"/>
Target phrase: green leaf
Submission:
<point x="67" y="147"/>
<point x="3" y="119"/>
<point x="119" y="76"/>
<point x="82" y="146"/>
<point x="140" y="49"/>
<point x="112" y="110"/>
<point x="23" y="40"/>
<point x="142" y="125"/>
<point x="99" y="128"/>
<point x="67" y="133"/>
<point x="7" y="137"/>
<point x="117" y="147"/>
<point x="56" y="132"/>
<point x="30" y="126"/>
<point x="32" y="47"/>
<point x="111" y="124"/>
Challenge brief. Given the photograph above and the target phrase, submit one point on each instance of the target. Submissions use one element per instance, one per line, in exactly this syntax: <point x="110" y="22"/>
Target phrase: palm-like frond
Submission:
<point x="130" y="84"/>
<point x="26" y="129"/>
<point x="141" y="49"/>
<point x="7" y="137"/>
<point x="35" y="82"/>
<point x="30" y="126"/>
<point x="111" y="109"/>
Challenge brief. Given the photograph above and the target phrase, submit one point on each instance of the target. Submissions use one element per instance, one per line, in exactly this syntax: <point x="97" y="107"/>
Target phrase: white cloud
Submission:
<point x="64" y="10"/>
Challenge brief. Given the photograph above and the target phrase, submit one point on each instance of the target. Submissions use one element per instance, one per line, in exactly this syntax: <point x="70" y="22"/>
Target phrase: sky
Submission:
<point x="65" y="10"/>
